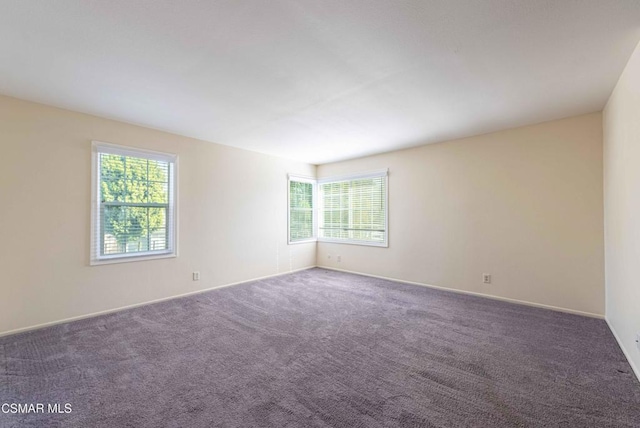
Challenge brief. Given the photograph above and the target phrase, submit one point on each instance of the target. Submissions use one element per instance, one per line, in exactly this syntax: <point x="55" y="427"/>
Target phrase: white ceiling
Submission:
<point x="318" y="80"/>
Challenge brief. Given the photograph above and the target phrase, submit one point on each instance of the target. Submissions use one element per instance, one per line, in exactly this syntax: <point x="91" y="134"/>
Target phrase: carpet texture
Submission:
<point x="323" y="349"/>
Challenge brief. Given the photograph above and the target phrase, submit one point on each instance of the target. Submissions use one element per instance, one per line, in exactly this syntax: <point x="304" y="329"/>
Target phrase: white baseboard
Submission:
<point x="626" y="353"/>
<point x="136" y="305"/>
<point x="635" y="369"/>
<point x="472" y="293"/>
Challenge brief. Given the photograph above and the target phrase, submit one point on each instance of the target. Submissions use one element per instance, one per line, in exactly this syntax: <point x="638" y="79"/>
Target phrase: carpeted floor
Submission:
<point x="326" y="349"/>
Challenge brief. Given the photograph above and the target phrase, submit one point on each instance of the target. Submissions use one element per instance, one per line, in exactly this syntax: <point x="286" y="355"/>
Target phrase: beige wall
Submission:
<point x="524" y="205"/>
<point x="232" y="217"/>
<point x="622" y="208"/>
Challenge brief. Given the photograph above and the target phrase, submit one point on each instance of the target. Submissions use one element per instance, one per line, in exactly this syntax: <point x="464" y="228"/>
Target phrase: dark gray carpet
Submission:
<point x="327" y="349"/>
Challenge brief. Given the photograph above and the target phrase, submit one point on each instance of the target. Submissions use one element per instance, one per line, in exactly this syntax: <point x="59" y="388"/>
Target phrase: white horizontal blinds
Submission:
<point x="300" y="210"/>
<point x="354" y="209"/>
<point x="334" y="214"/>
<point x="135" y="202"/>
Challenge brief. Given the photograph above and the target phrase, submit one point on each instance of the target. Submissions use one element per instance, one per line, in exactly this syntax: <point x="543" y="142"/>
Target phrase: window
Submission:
<point x="301" y="209"/>
<point x="134" y="204"/>
<point x="353" y="209"/>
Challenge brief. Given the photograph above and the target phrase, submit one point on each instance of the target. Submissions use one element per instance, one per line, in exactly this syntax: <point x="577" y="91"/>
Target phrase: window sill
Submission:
<point x="127" y="259"/>
<point x="361" y="243"/>
<point x="305" y="241"/>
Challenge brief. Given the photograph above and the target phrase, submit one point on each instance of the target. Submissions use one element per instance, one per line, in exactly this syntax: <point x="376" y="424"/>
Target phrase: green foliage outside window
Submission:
<point x="135" y="199"/>
<point x="300" y="210"/>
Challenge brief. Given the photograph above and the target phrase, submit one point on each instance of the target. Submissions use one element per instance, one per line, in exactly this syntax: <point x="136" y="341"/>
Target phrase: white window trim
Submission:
<point x="302" y="179"/>
<point x="172" y="251"/>
<point x="369" y="174"/>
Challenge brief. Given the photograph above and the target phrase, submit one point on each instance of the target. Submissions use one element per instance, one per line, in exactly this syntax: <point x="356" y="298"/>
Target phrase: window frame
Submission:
<point x="352" y="177"/>
<point x="314" y="208"/>
<point x="96" y="258"/>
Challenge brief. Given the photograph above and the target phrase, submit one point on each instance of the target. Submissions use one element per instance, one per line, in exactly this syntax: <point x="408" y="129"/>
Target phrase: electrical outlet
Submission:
<point x="486" y="278"/>
<point x="339" y="259"/>
<point x="196" y="276"/>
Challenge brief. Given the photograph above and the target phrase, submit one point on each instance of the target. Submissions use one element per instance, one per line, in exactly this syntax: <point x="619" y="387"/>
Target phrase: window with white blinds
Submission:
<point x="133" y="215"/>
<point x="354" y="209"/>
<point x="302" y="214"/>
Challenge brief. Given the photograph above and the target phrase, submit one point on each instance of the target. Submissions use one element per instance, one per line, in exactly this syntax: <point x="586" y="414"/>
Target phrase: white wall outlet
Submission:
<point x="196" y="276"/>
<point x="339" y="259"/>
<point x="486" y="278"/>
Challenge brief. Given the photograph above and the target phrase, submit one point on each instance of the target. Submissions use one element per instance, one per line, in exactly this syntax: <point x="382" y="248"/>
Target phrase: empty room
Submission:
<point x="319" y="213"/>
